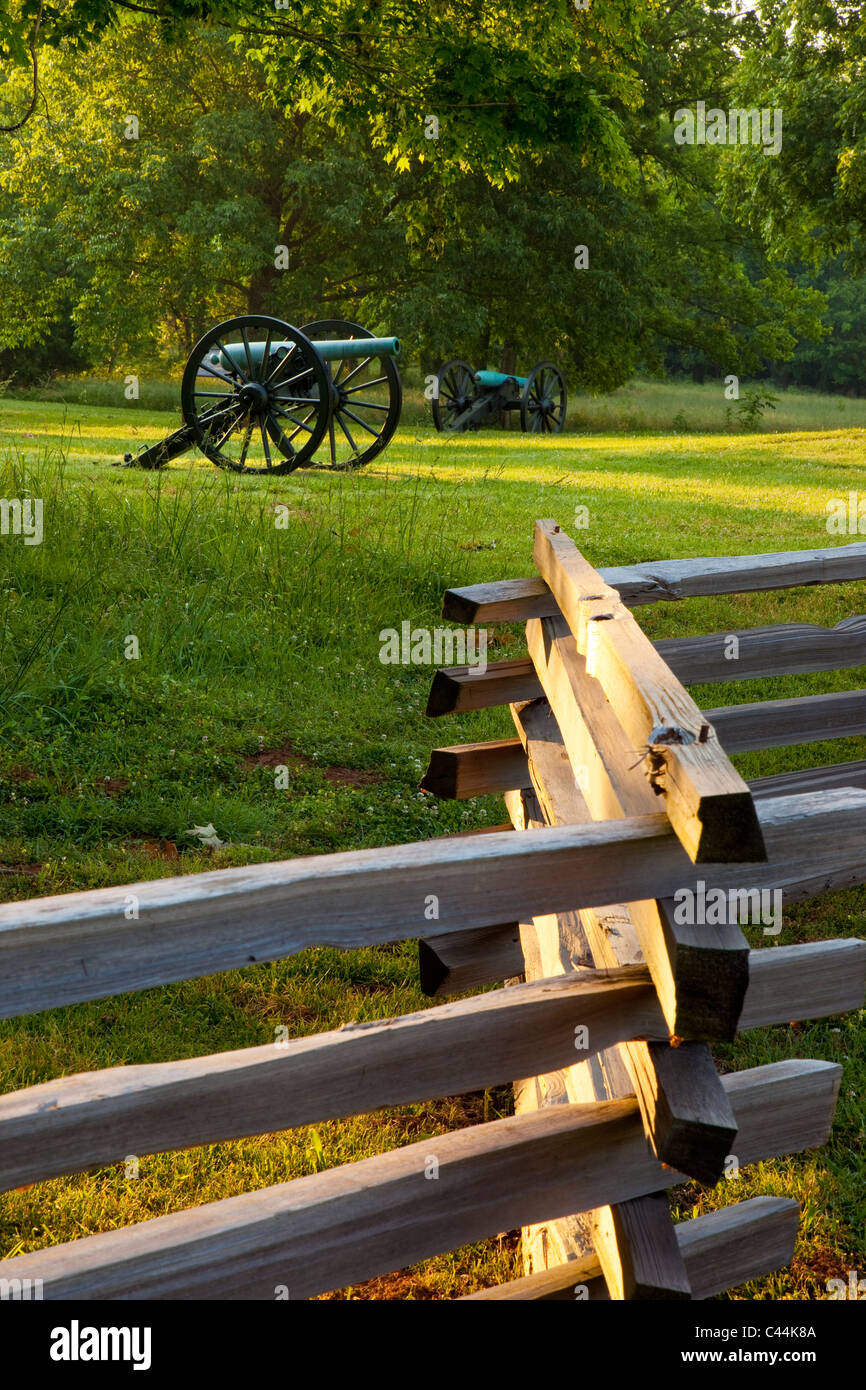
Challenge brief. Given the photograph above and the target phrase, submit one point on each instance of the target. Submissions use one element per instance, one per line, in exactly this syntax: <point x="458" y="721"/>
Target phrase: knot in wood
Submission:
<point x="671" y="733"/>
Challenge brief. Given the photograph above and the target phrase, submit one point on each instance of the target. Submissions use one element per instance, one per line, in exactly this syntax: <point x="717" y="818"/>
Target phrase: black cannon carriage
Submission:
<point x="464" y="399"/>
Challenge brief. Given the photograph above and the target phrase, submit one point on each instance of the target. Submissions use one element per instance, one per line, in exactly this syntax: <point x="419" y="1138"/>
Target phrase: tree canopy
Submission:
<point x="502" y="78"/>
<point x="808" y="58"/>
<point x="490" y="179"/>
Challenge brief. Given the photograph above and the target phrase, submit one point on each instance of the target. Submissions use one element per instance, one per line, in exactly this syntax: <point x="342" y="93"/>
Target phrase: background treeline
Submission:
<point x="116" y="252"/>
<point x="834" y="363"/>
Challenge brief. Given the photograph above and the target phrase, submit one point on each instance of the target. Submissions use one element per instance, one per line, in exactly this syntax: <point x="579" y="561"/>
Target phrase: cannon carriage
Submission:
<point x="464" y="399"/>
<point x="261" y="396"/>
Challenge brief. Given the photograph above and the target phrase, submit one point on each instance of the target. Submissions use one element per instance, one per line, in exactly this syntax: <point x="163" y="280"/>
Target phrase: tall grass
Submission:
<point x="682" y="407"/>
<point x="205" y="575"/>
<point x="643" y="406"/>
<point x="161" y="633"/>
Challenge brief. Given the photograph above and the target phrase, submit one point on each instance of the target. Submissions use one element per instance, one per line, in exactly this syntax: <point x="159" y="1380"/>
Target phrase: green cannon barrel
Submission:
<point x="328" y="350"/>
<point x="357" y="347"/>
<point x="497" y="379"/>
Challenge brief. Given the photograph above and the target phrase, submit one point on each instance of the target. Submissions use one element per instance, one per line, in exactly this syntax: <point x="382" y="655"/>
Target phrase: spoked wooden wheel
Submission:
<point x="366" y="399"/>
<point x="542" y="406"/>
<point x="454" y="390"/>
<point x="256" y="395"/>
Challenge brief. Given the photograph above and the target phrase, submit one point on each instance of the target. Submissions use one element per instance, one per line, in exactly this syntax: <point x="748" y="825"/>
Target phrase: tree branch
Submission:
<point x="9" y="129"/>
<point x="142" y="9"/>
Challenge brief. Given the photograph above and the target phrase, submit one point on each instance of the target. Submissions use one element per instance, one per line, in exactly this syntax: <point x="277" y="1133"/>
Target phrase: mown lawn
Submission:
<point x="258" y="647"/>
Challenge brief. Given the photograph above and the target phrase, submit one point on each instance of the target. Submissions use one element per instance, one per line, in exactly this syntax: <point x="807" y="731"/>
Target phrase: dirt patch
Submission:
<point x="154" y="849"/>
<point x="352" y="776"/>
<point x="338" y="776"/>
<point x="400" y="1286"/>
<point x="112" y="786"/>
<point x="20" y="773"/>
<point x="812" y="1270"/>
<point x="273" y="757"/>
<point x="28" y="870"/>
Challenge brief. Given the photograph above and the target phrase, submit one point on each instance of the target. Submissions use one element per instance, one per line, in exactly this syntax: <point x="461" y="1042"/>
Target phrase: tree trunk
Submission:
<point x="507" y="365"/>
<point x="261" y="295"/>
<point x="484" y="348"/>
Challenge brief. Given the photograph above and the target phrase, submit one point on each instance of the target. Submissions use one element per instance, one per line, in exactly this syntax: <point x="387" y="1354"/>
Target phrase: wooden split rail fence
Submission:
<point x="624" y="797"/>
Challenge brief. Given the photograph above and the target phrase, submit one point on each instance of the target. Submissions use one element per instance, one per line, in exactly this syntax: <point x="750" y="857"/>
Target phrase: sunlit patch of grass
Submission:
<point x="255" y="638"/>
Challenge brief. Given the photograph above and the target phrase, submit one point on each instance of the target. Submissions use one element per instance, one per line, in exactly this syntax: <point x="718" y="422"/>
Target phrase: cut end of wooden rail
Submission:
<point x="693" y="1126"/>
<point x="459" y="688"/>
<point x="432" y="970"/>
<point x="722" y="829"/>
<point x="444" y="694"/>
<point x="469" y="959"/>
<point x="476" y="769"/>
<point x="701" y="972"/>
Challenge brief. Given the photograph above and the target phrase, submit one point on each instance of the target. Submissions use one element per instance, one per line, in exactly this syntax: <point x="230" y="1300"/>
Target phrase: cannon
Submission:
<point x="464" y="399"/>
<point x="260" y="396"/>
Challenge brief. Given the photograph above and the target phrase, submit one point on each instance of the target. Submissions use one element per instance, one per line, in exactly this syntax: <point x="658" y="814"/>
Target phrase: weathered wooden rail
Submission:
<point x="624" y="797"/>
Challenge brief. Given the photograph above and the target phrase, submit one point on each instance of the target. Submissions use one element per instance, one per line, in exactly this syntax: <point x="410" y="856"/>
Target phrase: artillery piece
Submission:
<point x="463" y="399"/>
<point x="260" y="396"/>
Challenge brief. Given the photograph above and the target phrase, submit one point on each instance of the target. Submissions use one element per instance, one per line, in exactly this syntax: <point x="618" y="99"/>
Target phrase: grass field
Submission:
<point x="259" y="646"/>
<point x="642" y="406"/>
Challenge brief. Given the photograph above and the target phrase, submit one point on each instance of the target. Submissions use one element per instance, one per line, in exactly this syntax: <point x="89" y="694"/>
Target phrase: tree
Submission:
<point x="163" y="186"/>
<point x="839" y="362"/>
<point x="806" y="59"/>
<point x="159" y="189"/>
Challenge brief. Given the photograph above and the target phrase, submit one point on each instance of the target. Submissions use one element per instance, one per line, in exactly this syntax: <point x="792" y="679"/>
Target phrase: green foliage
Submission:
<point x="143" y="242"/>
<point x="806" y="58"/>
<point x="753" y="405"/>
<point x="838" y="363"/>
<point x="503" y="79"/>
<point x="151" y="239"/>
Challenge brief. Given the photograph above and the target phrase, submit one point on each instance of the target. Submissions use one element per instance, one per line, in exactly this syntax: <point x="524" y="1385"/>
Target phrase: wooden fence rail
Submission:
<point x="659" y="581"/>
<point x="785" y="650"/>
<point x="99" y="1117"/>
<point x="78" y="946"/>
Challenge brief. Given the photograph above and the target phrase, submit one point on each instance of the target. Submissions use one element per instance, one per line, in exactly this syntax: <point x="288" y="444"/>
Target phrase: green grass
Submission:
<point x="683" y="407"/>
<point x="260" y="646"/>
<point x="677" y="407"/>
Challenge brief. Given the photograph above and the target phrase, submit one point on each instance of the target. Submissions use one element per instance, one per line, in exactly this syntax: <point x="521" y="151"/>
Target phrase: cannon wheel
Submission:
<point x="366" y="399"/>
<point x="454" y="390"/>
<point x="542" y="406"/>
<point x="237" y="410"/>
